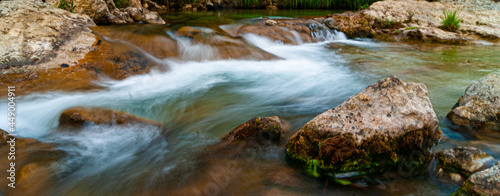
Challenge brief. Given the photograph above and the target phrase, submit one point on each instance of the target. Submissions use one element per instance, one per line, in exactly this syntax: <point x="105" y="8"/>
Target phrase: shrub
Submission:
<point x="451" y="22"/>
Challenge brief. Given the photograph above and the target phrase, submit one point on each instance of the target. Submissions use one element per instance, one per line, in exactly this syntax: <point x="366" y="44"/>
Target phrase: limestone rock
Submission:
<point x="79" y="116"/>
<point x="463" y="160"/>
<point x="372" y="131"/>
<point x="35" y="33"/>
<point x="260" y="129"/>
<point x="271" y="22"/>
<point x="478" y="110"/>
<point x="486" y="182"/>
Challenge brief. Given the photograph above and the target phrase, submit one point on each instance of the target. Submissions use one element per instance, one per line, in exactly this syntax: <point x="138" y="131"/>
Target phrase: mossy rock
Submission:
<point x="388" y="125"/>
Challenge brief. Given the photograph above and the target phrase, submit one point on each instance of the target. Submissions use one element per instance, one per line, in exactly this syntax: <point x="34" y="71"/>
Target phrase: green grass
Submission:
<point x="410" y="28"/>
<point x="66" y="6"/>
<point x="451" y="22"/>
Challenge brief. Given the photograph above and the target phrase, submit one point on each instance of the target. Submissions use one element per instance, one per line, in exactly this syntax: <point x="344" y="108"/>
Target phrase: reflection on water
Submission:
<point x="201" y="100"/>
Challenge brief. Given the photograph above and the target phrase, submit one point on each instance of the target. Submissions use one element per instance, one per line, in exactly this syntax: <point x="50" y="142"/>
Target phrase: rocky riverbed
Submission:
<point x="104" y="97"/>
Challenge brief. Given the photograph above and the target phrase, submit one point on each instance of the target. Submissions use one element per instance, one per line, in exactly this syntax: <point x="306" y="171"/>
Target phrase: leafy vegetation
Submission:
<point x="64" y="5"/>
<point x="451" y="22"/>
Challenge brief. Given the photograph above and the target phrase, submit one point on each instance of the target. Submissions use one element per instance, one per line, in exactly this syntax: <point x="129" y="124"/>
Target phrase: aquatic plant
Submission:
<point x="451" y="22"/>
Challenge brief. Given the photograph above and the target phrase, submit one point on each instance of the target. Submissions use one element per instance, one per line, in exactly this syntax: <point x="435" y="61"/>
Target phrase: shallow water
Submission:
<point x="201" y="100"/>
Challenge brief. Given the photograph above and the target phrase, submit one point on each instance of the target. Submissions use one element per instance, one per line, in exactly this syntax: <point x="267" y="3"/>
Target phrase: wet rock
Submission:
<point x="486" y="182"/>
<point x="463" y="160"/>
<point x="391" y="122"/>
<point x="151" y="17"/>
<point x="288" y="31"/>
<point x="271" y="22"/>
<point x="134" y="12"/>
<point x="79" y="116"/>
<point x="260" y="129"/>
<point x="478" y="110"/>
<point x="102" y="11"/>
<point x="216" y="46"/>
<point x="35" y="33"/>
<point x="34" y="165"/>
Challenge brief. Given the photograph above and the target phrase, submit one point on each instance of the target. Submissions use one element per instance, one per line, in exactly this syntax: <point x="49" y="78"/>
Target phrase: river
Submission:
<point x="200" y="98"/>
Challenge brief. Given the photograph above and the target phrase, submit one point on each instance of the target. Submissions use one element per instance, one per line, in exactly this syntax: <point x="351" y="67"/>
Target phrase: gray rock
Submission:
<point x="486" y="182"/>
<point x="463" y="160"/>
<point x="371" y="131"/>
<point x="478" y="110"/>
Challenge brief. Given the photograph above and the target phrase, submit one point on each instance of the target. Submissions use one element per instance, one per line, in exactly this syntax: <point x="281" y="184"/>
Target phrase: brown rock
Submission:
<point x="102" y="11"/>
<point x="463" y="160"/>
<point x="271" y="22"/>
<point x="79" y="116"/>
<point x="34" y="162"/>
<point x="478" y="110"/>
<point x="288" y="31"/>
<point x="151" y="17"/>
<point x="260" y="129"/>
<point x="371" y="131"/>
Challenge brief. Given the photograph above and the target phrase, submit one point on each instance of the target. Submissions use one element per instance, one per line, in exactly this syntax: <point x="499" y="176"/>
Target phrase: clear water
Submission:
<point x="199" y="101"/>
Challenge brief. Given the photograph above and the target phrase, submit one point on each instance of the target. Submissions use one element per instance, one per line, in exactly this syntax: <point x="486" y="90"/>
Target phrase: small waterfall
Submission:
<point x="190" y="51"/>
<point x="323" y="33"/>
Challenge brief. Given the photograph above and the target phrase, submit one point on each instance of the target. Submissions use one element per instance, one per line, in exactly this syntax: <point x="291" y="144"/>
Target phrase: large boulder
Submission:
<point x="478" y="110"/>
<point x="35" y="33"/>
<point x="260" y="129"/>
<point x="35" y="164"/>
<point x="107" y="12"/>
<point x="463" y="160"/>
<point x="79" y="116"/>
<point x="486" y="182"/>
<point x="388" y="123"/>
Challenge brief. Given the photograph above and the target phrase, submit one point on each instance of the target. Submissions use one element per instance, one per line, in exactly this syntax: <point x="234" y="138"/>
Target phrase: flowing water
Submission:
<point x="200" y="99"/>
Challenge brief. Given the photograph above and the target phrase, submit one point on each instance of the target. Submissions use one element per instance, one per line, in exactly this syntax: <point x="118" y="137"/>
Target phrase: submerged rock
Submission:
<point x="288" y="31"/>
<point x="260" y="129"/>
<point x="80" y="116"/>
<point x="478" y="110"/>
<point x="34" y="164"/>
<point x="388" y="123"/>
<point x="463" y="160"/>
<point x="35" y="33"/>
<point x="486" y="182"/>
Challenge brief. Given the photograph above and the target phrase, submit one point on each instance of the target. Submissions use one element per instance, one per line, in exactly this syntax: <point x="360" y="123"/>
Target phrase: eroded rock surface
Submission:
<point x="372" y="131"/>
<point x="478" y="110"/>
<point x="486" y="182"/>
<point x="463" y="160"/>
<point x="35" y="33"/>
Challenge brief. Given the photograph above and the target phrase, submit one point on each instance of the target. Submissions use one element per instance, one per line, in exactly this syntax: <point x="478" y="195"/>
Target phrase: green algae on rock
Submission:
<point x="389" y="123"/>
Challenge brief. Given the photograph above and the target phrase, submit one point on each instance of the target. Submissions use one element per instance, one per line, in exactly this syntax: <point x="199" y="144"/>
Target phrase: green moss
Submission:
<point x="312" y="168"/>
<point x="343" y="182"/>
<point x="410" y="28"/>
